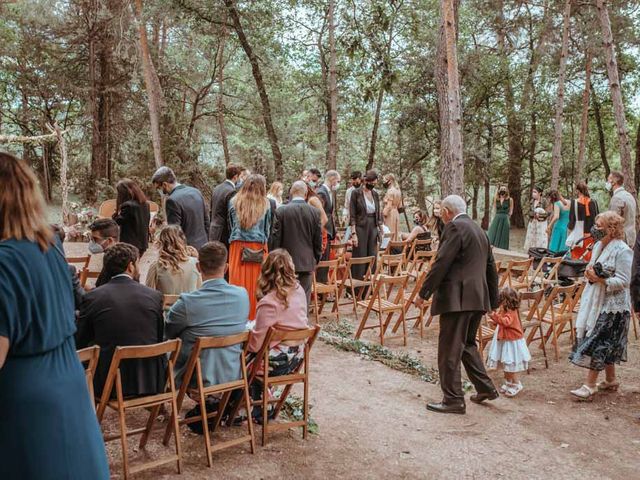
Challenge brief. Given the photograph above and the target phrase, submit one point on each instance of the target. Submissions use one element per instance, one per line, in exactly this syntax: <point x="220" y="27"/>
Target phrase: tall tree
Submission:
<point x="556" y="157"/>
<point x="333" y="92"/>
<point x="220" y="100"/>
<point x="155" y="97"/>
<point x="584" y="121"/>
<point x="260" y="85"/>
<point x="616" y="94"/>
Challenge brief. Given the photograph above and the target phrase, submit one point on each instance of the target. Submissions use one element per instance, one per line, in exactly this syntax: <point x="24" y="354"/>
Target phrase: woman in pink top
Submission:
<point x="282" y="304"/>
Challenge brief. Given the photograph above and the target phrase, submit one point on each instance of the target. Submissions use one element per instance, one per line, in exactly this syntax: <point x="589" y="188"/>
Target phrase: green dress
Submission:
<point x="499" y="229"/>
<point x="48" y="427"/>
<point x="559" y="233"/>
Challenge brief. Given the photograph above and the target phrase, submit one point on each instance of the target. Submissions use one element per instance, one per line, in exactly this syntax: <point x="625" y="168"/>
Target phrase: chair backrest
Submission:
<point x="332" y="274"/>
<point x="392" y="264"/>
<point x="171" y="347"/>
<point x="338" y="249"/>
<point x="420" y="245"/>
<point x="169" y="300"/>
<point x="385" y="285"/>
<point x="533" y="298"/>
<point x="369" y="261"/>
<point x="107" y="208"/>
<point x="81" y="262"/>
<point x="549" y="305"/>
<point x="400" y="246"/>
<point x="423" y="259"/>
<point x="539" y="274"/>
<point x="518" y="269"/>
<point x="85" y="275"/>
<point x="90" y="355"/>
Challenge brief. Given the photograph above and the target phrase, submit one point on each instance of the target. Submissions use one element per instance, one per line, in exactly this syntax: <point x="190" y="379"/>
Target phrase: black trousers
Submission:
<point x="456" y="344"/>
<point x="306" y="282"/>
<point x="367" y="245"/>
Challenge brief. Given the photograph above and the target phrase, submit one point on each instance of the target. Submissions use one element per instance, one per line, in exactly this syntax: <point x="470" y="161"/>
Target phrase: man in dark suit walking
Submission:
<point x="123" y="312"/>
<point x="298" y="231"/>
<point x="464" y="284"/>
<point x="325" y="192"/>
<point x="185" y="206"/>
<point x="219" y="210"/>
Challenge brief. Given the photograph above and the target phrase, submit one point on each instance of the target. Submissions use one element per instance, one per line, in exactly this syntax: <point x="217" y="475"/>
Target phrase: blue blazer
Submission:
<point x="217" y="309"/>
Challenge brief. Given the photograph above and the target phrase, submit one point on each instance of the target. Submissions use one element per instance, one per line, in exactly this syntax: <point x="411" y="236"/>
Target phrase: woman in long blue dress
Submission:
<point x="48" y="428"/>
<point x="559" y="223"/>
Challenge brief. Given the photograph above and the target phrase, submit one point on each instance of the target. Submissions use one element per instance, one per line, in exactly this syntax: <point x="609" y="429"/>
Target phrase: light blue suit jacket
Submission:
<point x="217" y="309"/>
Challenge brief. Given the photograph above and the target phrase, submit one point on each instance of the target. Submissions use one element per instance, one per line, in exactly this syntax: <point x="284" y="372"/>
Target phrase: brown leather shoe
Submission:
<point x="481" y="397"/>
<point x="444" y="408"/>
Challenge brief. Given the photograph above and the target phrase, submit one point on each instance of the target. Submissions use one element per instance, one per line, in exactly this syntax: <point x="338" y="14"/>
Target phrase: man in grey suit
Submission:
<point x="220" y="205"/>
<point x="217" y="309"/>
<point x="624" y="204"/>
<point x="464" y="284"/>
<point x="185" y="206"/>
<point x="297" y="230"/>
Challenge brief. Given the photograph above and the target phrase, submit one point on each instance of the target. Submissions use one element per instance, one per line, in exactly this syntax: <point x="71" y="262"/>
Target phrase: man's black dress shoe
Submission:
<point x="481" y="397"/>
<point x="444" y="408"/>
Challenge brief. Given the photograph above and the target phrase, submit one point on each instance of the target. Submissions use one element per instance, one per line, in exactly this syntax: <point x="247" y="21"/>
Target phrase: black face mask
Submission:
<point x="386" y="184"/>
<point x="369" y="186"/>
<point x="597" y="234"/>
<point x="416" y="221"/>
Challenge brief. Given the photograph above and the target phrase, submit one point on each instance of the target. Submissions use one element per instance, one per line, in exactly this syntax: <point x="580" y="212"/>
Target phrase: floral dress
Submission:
<point x="602" y="325"/>
<point x="537" y="229"/>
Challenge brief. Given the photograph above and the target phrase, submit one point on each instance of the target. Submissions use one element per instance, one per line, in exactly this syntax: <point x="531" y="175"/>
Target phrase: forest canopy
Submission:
<point x="282" y="85"/>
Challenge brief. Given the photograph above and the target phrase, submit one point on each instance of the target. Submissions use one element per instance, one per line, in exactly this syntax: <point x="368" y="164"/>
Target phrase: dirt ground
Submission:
<point x="373" y="424"/>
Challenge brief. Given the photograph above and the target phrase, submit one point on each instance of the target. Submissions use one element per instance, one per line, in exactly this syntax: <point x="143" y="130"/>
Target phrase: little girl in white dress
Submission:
<point x="509" y="348"/>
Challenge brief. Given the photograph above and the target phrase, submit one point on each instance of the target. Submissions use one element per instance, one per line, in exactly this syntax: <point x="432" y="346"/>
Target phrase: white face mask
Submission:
<point x="336" y="187"/>
<point x="608" y="186"/>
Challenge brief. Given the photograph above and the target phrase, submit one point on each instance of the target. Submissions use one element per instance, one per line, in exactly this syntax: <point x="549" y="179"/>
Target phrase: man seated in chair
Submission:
<point x="217" y="309"/>
<point x="105" y="233"/>
<point x="123" y="312"/>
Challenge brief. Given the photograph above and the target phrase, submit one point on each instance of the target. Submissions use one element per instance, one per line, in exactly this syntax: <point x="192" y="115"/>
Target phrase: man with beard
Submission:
<point x="123" y="312"/>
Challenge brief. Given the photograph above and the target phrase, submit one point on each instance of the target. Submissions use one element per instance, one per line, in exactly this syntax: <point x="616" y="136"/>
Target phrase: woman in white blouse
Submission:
<point x="602" y="324"/>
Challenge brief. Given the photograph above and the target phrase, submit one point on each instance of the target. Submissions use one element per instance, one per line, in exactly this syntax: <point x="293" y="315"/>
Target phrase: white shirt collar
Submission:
<point x="463" y="213"/>
<point x="232" y="184"/>
<point x="618" y="189"/>
<point x="122" y="275"/>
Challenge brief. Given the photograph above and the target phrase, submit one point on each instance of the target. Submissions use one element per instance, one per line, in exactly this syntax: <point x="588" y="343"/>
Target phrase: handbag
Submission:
<point x="578" y="230"/>
<point x="249" y="255"/>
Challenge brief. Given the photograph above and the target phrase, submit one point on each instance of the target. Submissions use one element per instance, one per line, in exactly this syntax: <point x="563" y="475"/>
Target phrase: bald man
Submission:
<point x="297" y="230"/>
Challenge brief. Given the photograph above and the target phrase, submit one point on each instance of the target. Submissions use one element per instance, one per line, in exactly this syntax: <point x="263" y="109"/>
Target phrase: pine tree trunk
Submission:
<point x="556" y="157"/>
<point x="584" y="123"/>
<point x="374" y="130"/>
<point x="262" y="91"/>
<point x="636" y="172"/>
<point x="220" y="99"/>
<point x="533" y="144"/>
<point x="487" y="174"/>
<point x="333" y="91"/>
<point x="616" y="95"/>
<point x="152" y="84"/>
<point x="601" y="138"/>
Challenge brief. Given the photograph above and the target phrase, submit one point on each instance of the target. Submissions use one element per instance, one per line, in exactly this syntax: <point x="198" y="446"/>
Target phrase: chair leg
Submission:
<point x="544" y="348"/>
<point x="382" y="329"/>
<point x="176" y="425"/>
<point x="123" y="441"/>
<point x="305" y="399"/>
<point x="315" y="310"/>
<point x="265" y="406"/>
<point x="363" y="321"/>
<point x="205" y="426"/>
<point x="247" y="401"/>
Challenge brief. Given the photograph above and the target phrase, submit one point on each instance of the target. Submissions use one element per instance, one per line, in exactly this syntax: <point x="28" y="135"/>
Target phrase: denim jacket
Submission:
<point x="258" y="233"/>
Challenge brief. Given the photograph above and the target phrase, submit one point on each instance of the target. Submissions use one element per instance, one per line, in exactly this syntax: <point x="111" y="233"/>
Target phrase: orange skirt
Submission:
<point x="578" y="252"/>
<point x="245" y="274"/>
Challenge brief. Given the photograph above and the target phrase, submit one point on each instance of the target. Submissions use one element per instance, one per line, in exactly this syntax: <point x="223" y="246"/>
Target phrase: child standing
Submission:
<point x="509" y="347"/>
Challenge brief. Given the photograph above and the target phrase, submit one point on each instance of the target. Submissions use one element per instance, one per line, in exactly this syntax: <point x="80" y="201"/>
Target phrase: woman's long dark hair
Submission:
<point x="129" y="190"/>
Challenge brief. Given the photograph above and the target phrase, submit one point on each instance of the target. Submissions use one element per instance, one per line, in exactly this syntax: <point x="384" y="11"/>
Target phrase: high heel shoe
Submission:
<point x="607" y="386"/>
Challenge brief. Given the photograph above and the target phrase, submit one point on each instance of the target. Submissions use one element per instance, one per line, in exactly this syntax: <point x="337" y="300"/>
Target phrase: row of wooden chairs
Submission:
<point x="193" y="385"/>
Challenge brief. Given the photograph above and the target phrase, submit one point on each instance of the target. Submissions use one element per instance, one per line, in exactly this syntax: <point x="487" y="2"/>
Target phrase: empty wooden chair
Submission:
<point x="260" y="373"/>
<point x="410" y="298"/>
<point x="320" y="290"/>
<point x="200" y="392"/>
<point x="544" y="275"/>
<point x="90" y="356"/>
<point x="421" y="262"/>
<point x="484" y="335"/>
<point x="385" y="304"/>
<point x="358" y="288"/>
<point x="532" y="320"/>
<point x="390" y="265"/>
<point x="516" y="275"/>
<point x="557" y="313"/>
<point x="153" y="402"/>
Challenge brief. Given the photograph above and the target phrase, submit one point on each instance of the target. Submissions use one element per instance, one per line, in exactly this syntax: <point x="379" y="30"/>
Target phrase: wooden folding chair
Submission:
<point x="200" y="392"/>
<point x="484" y="335"/>
<point x="330" y="287"/>
<point x="410" y="298"/>
<point x="169" y="300"/>
<point x="390" y="265"/>
<point x="516" y="275"/>
<point x="85" y="275"/>
<point x="419" y="245"/>
<point x="90" y="356"/>
<point x="381" y="303"/>
<point x="260" y="372"/>
<point x="544" y="275"/>
<point x="121" y="405"/>
<point x="80" y="263"/>
<point x="358" y="288"/>
<point x="533" y="320"/>
<point x="556" y="312"/>
<point x="399" y="247"/>
<point x="421" y="262"/>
